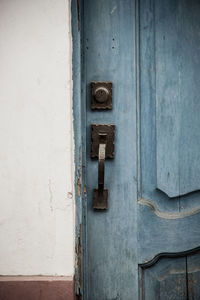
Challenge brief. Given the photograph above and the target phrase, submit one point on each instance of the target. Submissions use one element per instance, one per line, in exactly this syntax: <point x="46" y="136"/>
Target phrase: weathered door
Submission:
<point x="145" y="245"/>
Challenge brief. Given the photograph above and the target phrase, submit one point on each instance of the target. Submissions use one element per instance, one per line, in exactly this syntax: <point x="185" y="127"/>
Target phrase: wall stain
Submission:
<point x="51" y="196"/>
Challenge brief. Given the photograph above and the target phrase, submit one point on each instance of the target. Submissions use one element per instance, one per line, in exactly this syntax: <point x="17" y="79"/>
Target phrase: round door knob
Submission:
<point x="101" y="94"/>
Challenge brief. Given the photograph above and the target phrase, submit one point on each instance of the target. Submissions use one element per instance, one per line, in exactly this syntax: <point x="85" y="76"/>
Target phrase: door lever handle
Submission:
<point x="102" y="147"/>
<point x="101" y="194"/>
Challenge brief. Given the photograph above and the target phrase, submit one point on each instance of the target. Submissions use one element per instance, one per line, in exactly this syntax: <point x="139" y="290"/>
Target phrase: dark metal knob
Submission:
<point x="101" y="94"/>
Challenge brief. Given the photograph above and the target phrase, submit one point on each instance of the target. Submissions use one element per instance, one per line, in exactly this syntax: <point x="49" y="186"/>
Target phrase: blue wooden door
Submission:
<point x="145" y="246"/>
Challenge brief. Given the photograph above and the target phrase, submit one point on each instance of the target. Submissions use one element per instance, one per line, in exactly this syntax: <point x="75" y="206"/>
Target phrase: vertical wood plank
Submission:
<point x="190" y="91"/>
<point x="177" y="26"/>
<point x="193" y="270"/>
<point x="112" y="235"/>
<point x="148" y="91"/>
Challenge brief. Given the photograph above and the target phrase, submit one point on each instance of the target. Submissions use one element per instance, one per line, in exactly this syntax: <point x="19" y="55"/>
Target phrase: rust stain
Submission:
<point x="85" y="189"/>
<point x="79" y="187"/>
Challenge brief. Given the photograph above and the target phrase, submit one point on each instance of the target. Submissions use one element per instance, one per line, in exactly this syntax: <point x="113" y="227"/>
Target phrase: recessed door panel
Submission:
<point x="171" y="278"/>
<point x="166" y="280"/>
<point x="170" y="102"/>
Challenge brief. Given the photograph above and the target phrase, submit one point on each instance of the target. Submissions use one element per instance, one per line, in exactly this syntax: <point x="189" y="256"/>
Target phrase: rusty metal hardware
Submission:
<point x="101" y="95"/>
<point x="102" y="148"/>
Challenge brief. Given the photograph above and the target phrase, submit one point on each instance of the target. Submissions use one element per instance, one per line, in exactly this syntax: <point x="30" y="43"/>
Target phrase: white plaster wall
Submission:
<point x="36" y="148"/>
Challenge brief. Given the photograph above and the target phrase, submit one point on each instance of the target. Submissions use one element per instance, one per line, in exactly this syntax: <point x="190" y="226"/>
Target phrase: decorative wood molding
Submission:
<point x="156" y="258"/>
<point x="166" y="215"/>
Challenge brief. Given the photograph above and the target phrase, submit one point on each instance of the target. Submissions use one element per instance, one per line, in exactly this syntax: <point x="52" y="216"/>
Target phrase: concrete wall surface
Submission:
<point x="36" y="138"/>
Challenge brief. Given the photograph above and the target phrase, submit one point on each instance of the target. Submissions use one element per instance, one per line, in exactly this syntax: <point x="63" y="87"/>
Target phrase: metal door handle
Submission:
<point x="101" y="194"/>
<point x="102" y="147"/>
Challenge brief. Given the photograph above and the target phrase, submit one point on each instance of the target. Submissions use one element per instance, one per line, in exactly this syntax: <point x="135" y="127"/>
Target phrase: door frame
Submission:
<point x="79" y="127"/>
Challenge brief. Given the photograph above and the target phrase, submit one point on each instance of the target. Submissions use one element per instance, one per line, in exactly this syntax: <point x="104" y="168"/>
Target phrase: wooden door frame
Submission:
<point x="79" y="114"/>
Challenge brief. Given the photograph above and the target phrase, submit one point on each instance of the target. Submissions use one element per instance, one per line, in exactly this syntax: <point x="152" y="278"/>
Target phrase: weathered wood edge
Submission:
<point x="79" y="151"/>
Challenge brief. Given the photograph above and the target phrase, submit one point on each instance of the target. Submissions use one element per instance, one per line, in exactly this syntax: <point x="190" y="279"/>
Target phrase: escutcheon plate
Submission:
<point x="96" y="130"/>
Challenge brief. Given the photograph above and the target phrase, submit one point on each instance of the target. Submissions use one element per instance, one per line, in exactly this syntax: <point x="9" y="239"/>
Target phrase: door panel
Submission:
<point x="170" y="135"/>
<point x="177" y="69"/>
<point x="170" y="68"/>
<point x="109" y="56"/>
<point x="175" y="278"/>
<point x="168" y="233"/>
<point x="166" y="280"/>
<point x="193" y="269"/>
<point x="150" y="51"/>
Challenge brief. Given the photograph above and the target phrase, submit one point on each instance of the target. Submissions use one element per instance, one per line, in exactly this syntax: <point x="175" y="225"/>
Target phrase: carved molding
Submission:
<point x="156" y="258"/>
<point x="166" y="215"/>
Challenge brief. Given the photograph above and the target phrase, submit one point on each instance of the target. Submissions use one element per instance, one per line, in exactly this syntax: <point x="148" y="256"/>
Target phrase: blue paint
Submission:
<point x="150" y="51"/>
<point x="160" y="283"/>
<point x="177" y="70"/>
<point x="169" y="103"/>
<point x="109" y="56"/>
<point x="78" y="112"/>
<point x="169" y="141"/>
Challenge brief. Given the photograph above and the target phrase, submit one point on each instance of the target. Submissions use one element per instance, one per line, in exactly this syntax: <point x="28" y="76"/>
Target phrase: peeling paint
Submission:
<point x="79" y="187"/>
<point x="76" y="24"/>
<point x="79" y="264"/>
<point x="79" y="181"/>
<point x="113" y="10"/>
<point x="80" y="255"/>
<point x="85" y="190"/>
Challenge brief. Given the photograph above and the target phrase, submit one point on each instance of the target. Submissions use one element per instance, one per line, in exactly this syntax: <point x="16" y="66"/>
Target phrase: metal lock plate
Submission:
<point x="101" y="95"/>
<point x="100" y="204"/>
<point x="96" y="131"/>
